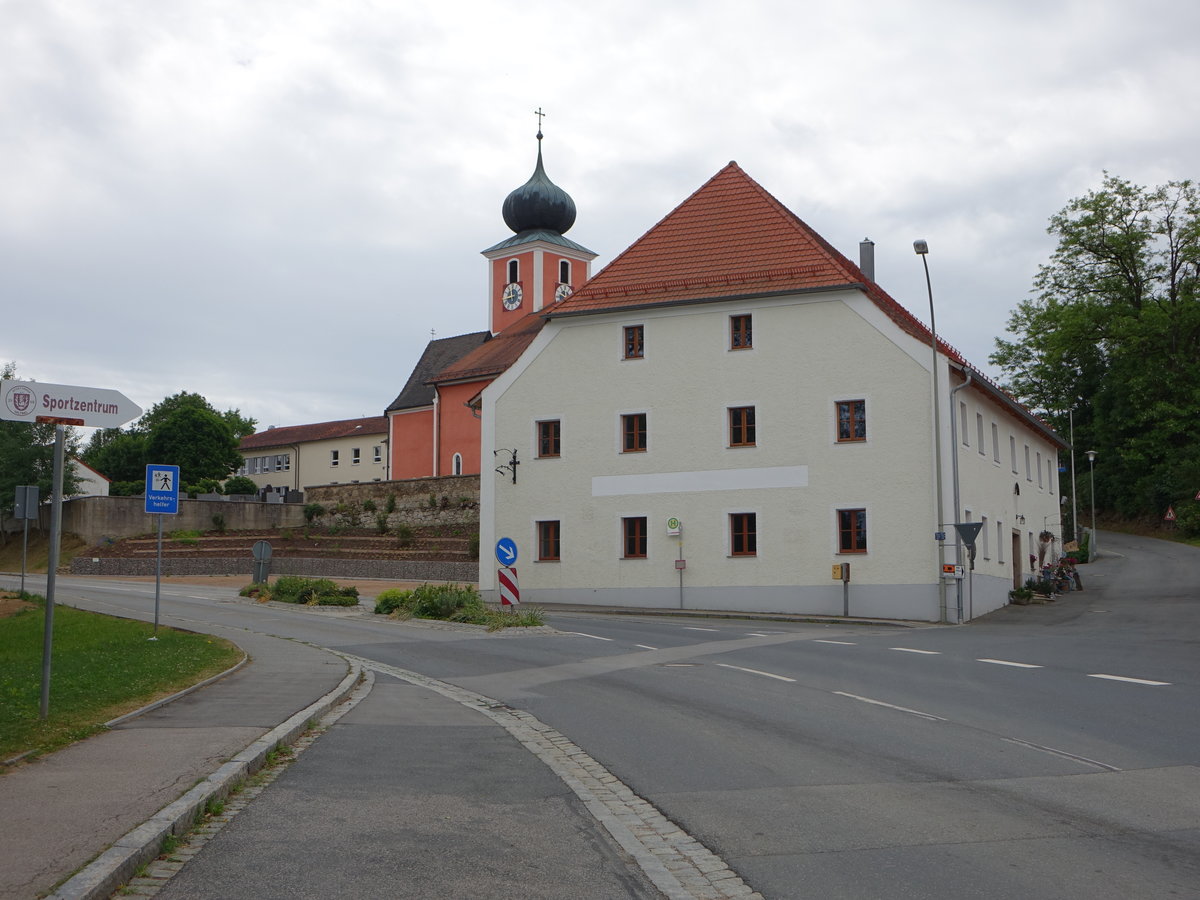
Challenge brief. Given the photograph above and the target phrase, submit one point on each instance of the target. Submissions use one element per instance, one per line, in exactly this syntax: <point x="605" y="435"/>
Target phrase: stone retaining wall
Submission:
<point x="446" y="500"/>
<point x="396" y="570"/>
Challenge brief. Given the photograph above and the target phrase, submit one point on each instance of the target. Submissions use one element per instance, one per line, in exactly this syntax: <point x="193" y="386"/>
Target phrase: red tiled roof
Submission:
<point x="320" y="431"/>
<point x="731" y="238"/>
<point x="492" y="357"/>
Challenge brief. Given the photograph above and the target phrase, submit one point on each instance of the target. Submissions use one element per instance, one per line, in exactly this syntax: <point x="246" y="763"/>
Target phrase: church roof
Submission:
<point x="539" y="203"/>
<point x="490" y="359"/>
<point x="439" y="354"/>
<point x="319" y="431"/>
<point x="539" y="234"/>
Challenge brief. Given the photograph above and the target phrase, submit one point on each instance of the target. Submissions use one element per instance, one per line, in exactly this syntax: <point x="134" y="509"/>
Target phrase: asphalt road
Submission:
<point x="1041" y="752"/>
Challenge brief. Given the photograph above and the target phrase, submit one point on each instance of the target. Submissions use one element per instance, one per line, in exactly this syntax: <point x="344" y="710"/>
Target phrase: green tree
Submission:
<point x="197" y="440"/>
<point x="116" y="454"/>
<point x="1112" y="333"/>
<point x="239" y="426"/>
<point x="27" y="456"/>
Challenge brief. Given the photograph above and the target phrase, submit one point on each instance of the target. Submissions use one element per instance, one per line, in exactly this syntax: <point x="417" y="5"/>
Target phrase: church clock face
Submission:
<point x="511" y="298"/>
<point x="562" y="292"/>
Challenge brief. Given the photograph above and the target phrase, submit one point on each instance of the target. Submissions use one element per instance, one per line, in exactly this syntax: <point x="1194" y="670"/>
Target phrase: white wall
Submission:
<point x="809" y="352"/>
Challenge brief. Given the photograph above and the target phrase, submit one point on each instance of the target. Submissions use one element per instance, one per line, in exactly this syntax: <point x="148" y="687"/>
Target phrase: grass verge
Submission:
<point x="453" y="603"/>
<point x="101" y="667"/>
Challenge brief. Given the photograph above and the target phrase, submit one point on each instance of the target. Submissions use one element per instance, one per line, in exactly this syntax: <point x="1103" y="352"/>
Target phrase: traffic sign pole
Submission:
<point x="52" y="566"/>
<point x="162" y="499"/>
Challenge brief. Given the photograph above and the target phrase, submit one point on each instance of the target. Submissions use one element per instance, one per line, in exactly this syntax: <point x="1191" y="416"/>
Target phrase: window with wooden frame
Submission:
<point x="743" y="534"/>
<point x="633" y="433"/>
<point x="548" y="438"/>
<point x="741" y="333"/>
<point x="633" y="529"/>
<point x="852" y="530"/>
<point x="635" y="347"/>
<point x="548" y="541"/>
<point x="851" y="421"/>
<point x="741" y="426"/>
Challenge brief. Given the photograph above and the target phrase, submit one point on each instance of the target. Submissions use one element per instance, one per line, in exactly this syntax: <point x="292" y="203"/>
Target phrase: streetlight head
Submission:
<point x="1091" y="455"/>
<point x="920" y="247"/>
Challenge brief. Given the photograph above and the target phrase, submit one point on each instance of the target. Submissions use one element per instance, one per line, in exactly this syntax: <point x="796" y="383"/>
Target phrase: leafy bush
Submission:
<point x="204" y="486"/>
<point x="368" y="505"/>
<point x="126" y="488"/>
<point x="453" y="603"/>
<point x="1187" y="518"/>
<point x="260" y="592"/>
<point x="473" y="546"/>
<point x="381" y="523"/>
<point x="313" y="512"/>
<point x="391" y="600"/>
<point x="313" y="592"/>
<point x="390" y="506"/>
<point x="240" y="484"/>
<point x="404" y="534"/>
<point x="219" y="523"/>
<point x="185" y="536"/>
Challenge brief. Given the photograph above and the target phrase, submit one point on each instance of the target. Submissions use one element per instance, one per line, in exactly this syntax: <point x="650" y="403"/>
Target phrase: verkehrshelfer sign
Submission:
<point x="26" y="401"/>
<point x="162" y="489"/>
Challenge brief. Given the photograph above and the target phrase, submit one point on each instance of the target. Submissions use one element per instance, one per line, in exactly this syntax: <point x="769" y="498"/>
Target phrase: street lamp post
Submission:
<point x="1093" y="547"/>
<point x="921" y="248"/>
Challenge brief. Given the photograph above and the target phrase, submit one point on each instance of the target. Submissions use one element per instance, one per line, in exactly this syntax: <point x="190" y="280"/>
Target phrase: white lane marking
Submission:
<point x="694" y="628"/>
<point x="761" y="633"/>
<point x="1062" y="753"/>
<point x="594" y="637"/>
<point x="1130" y="680"/>
<point x="758" y="672"/>
<point x="905" y="709"/>
<point x="1008" y="662"/>
<point x="645" y="646"/>
<point x="843" y="643"/>
<point x="912" y="650"/>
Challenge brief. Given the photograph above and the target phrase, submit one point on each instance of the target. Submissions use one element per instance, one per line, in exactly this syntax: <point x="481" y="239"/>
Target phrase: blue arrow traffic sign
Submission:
<point x="506" y="551"/>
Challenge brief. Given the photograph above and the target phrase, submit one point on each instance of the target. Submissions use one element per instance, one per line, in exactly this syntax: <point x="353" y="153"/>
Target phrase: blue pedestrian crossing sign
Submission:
<point x="506" y="551"/>
<point x="162" y="489"/>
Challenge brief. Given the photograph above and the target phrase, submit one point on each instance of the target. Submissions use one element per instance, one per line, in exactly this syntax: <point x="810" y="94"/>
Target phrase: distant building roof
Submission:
<point x="491" y="358"/>
<point x="287" y="435"/>
<point x="418" y="390"/>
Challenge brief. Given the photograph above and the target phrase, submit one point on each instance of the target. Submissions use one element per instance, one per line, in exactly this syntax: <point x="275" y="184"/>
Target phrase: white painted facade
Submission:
<point x="810" y="351"/>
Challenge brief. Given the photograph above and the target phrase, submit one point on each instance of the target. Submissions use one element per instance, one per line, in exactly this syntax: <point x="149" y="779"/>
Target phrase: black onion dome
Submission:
<point x="539" y="203"/>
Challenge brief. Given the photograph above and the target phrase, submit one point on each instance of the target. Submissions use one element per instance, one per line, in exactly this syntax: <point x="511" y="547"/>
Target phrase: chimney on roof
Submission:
<point x="866" y="258"/>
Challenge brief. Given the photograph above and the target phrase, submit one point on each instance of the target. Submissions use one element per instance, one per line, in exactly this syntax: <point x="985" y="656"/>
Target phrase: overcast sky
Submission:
<point x="274" y="203"/>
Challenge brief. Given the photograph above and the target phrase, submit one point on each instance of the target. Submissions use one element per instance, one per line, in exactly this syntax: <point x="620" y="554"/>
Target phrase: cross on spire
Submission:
<point x="541" y="115"/>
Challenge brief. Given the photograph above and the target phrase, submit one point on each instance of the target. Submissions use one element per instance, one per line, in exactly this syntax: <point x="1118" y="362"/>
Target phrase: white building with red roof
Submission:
<point x="731" y="408"/>
<point x="294" y="457"/>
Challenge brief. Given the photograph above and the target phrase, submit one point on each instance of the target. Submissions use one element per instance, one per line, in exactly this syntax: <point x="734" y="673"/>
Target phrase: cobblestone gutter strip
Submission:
<point x="678" y="865"/>
<point x="120" y="862"/>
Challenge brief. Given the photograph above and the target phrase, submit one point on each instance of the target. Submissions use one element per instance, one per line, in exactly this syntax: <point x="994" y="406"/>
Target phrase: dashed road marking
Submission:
<point x="1009" y="662"/>
<point x="903" y="709"/>
<point x="594" y="637"/>
<point x="645" y="646"/>
<point x="914" y="650"/>
<point x="1130" y="680"/>
<point x="696" y="628"/>
<point x="843" y="643"/>
<point x="758" y="672"/>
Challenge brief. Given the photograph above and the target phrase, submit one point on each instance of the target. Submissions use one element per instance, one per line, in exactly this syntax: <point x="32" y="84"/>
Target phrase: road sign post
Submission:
<point x="25" y="507"/>
<point x="60" y="405"/>
<point x="162" y="499"/>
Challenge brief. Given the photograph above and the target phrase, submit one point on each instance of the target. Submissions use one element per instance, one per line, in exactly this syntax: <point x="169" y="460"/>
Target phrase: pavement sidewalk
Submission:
<point x="121" y="790"/>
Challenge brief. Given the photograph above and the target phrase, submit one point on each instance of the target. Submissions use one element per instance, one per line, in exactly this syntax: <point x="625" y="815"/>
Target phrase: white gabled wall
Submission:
<point x="809" y="351"/>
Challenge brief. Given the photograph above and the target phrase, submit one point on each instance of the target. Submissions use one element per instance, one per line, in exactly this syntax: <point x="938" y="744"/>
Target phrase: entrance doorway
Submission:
<point x="1016" y="559"/>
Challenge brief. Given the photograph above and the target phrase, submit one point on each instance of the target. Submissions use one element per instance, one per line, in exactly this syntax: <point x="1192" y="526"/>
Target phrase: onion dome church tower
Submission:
<point x="537" y="266"/>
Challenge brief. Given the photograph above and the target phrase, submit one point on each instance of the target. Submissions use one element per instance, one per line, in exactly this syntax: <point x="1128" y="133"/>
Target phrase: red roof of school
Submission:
<point x="729" y="239"/>
<point x="285" y="435"/>
<point x="492" y="357"/>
